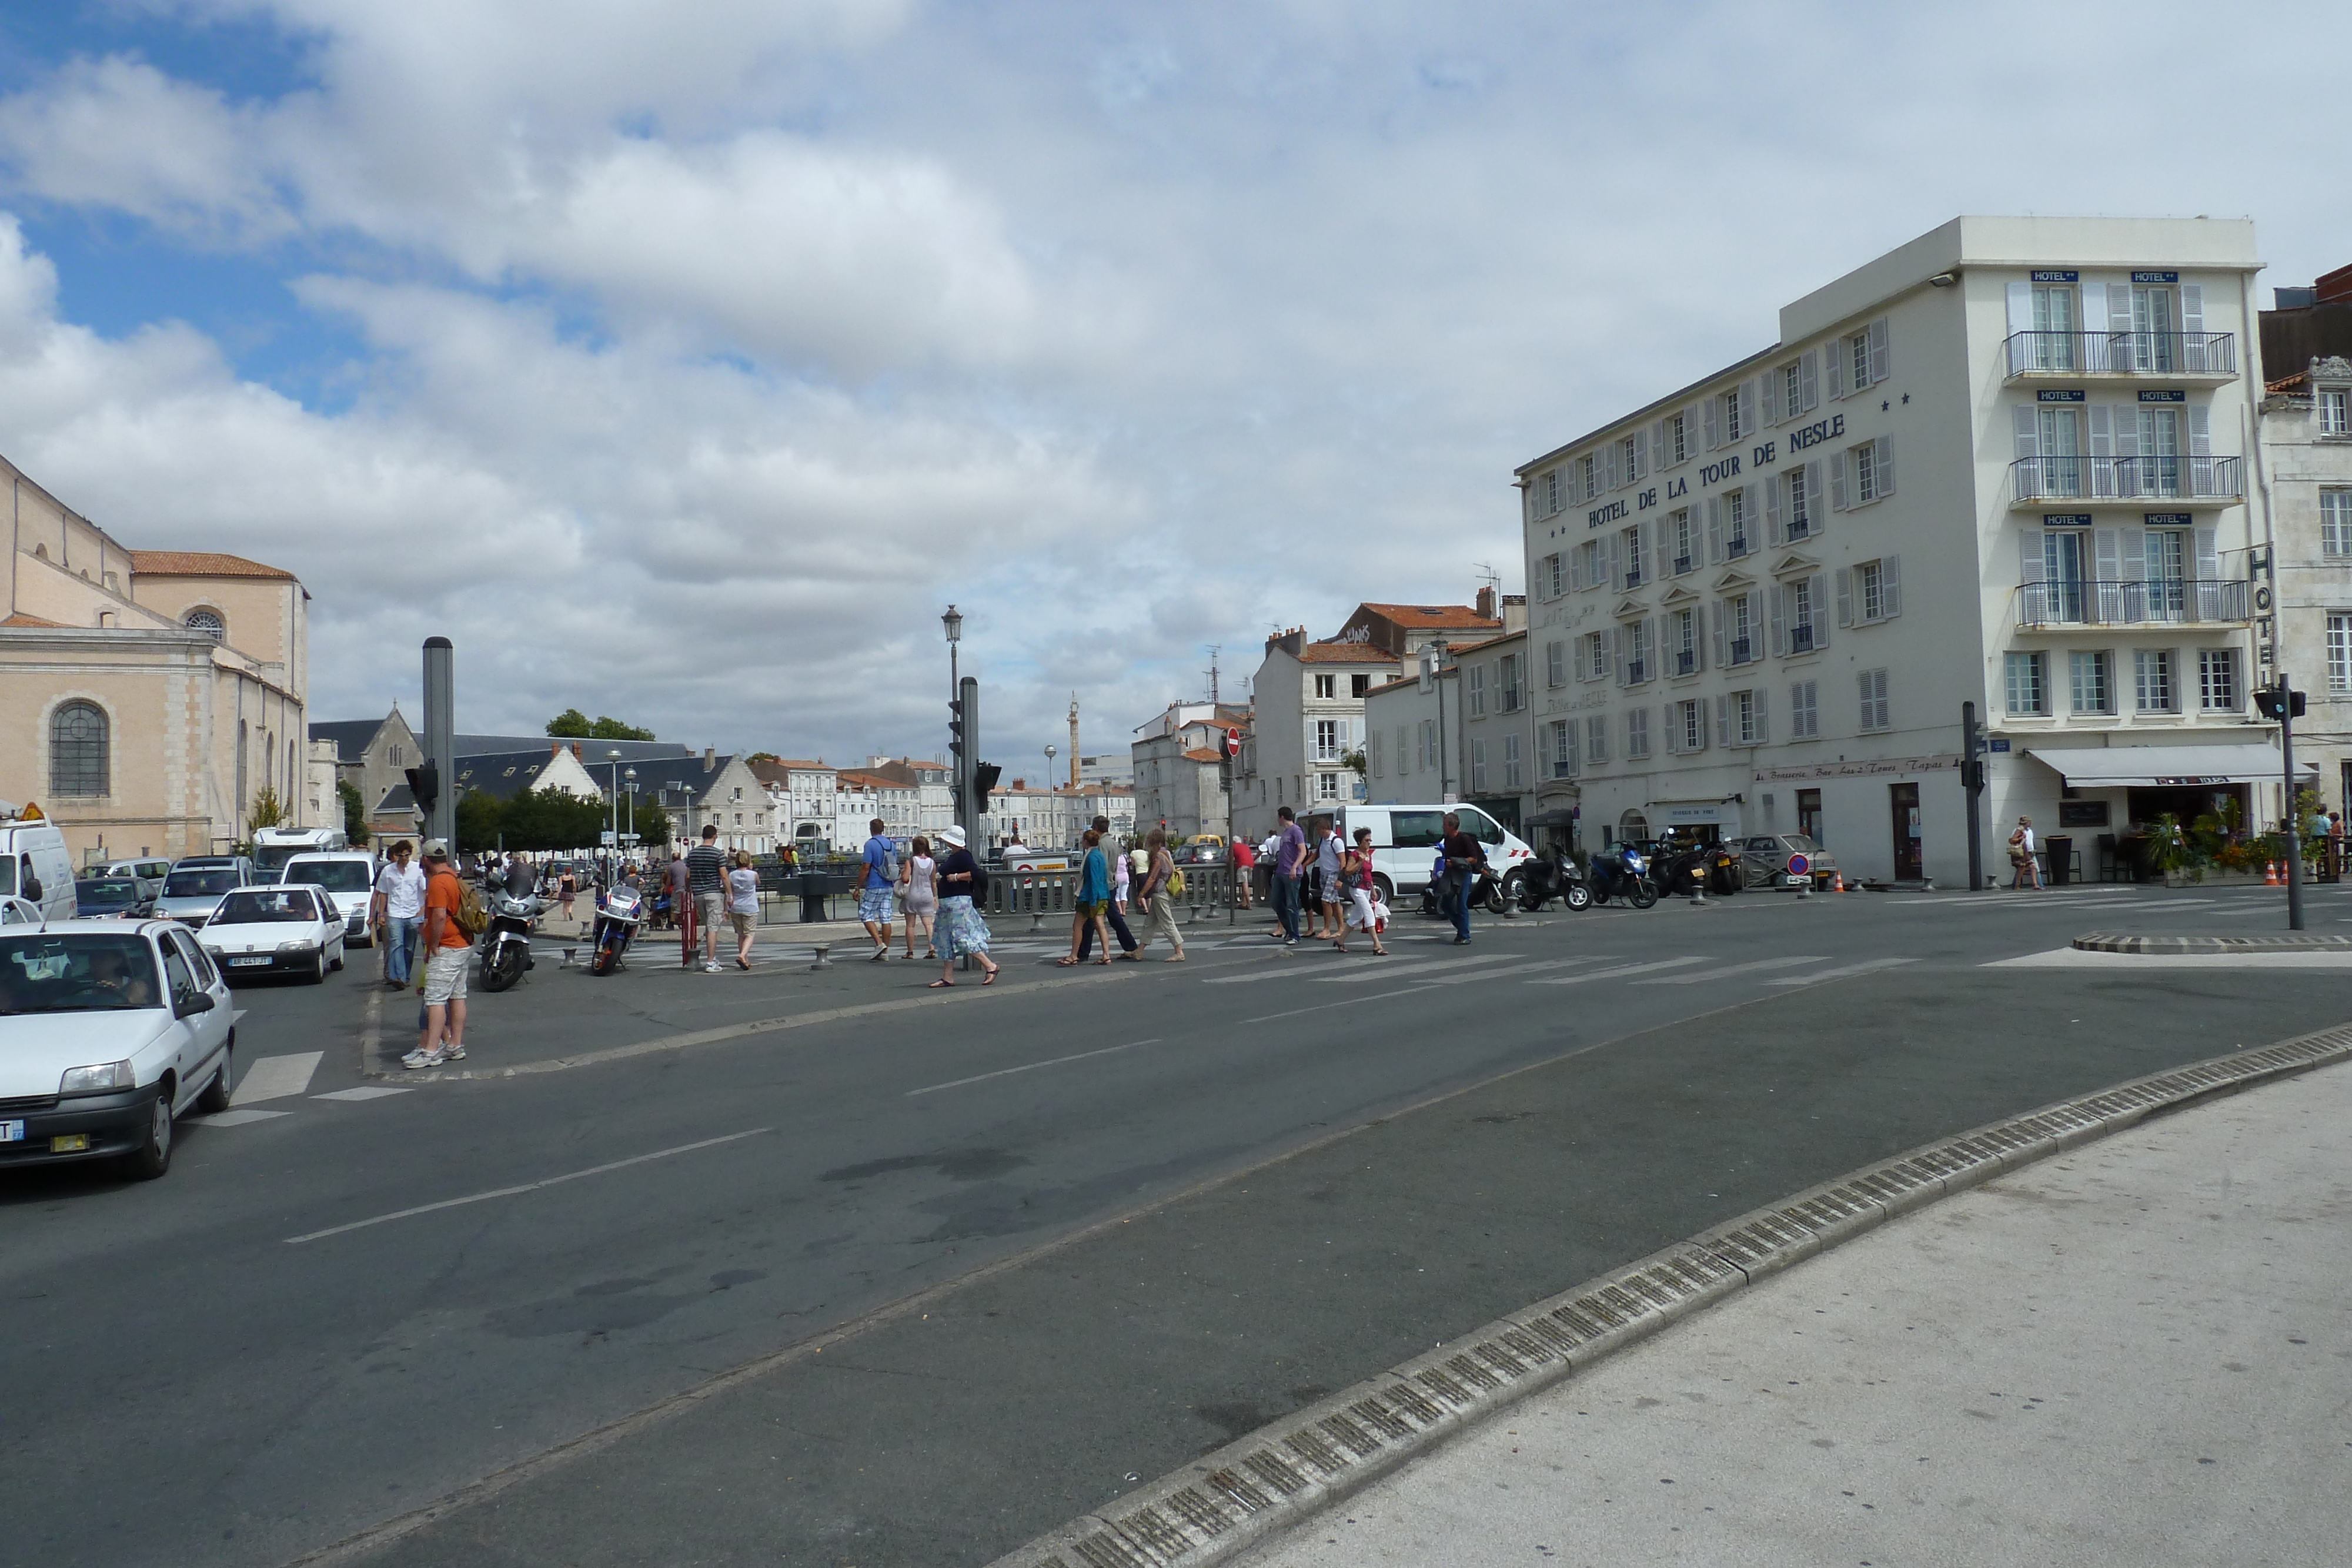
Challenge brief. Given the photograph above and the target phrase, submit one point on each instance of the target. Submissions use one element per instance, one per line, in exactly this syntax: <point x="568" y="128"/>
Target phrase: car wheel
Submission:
<point x="1385" y="890"/>
<point x="341" y="948"/>
<point x="318" y="975"/>
<point x="153" y="1158"/>
<point x="215" y="1099"/>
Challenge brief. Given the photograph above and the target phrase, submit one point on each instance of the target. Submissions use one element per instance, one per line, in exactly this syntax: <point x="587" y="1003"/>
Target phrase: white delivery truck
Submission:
<point x="273" y="847"/>
<point x="34" y="864"/>
<point x="1404" y="844"/>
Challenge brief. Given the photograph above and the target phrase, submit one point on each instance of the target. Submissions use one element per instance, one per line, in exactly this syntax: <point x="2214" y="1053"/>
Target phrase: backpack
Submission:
<point x="1176" y="882"/>
<point x="472" y="919"/>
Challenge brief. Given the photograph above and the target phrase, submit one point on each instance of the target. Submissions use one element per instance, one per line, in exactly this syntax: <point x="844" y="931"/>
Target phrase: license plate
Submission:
<point x="246" y="963"/>
<point x="12" y="1132"/>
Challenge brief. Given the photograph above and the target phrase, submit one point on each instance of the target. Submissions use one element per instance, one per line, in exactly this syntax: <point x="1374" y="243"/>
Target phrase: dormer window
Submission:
<point x="207" y="622"/>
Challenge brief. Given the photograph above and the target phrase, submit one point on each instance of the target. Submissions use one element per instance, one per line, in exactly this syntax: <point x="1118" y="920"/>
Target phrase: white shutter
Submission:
<point x="1879" y="358"/>
<point x="2020" y="308"/>
<point x="1722" y="637"/>
<point x="2028" y="426"/>
<point x="1845" y="596"/>
<point x="1609" y="568"/>
<point x="1608" y="652"/>
<point x="1662" y="452"/>
<point x="2102" y="442"/>
<point x="1837" y="481"/>
<point x="1748" y="424"/>
<point x="2095" y="317"/>
<point x="1834" y="354"/>
<point x="1808" y="387"/>
<point x="1821" y="610"/>
<point x="1771" y="399"/>
<point x="2119" y="312"/>
<point x="2201" y="431"/>
<point x="1864" y="681"/>
<point x="1712" y="441"/>
<point x="1610" y="478"/>
<point x="2192" y="307"/>
<point x="1756" y="712"/>
<point x="2127" y="422"/>
<point x="1641" y="455"/>
<point x="1780" y="622"/>
<point x="2106" y="566"/>
<point x="2030" y="561"/>
<point x="1890" y="587"/>
<point x="1713" y="531"/>
<point x="2209" y="558"/>
<point x="1576" y="568"/>
<point x="1815" y="496"/>
<point x="1772" y="509"/>
<point x="1883" y="470"/>
<point x="1723" y="720"/>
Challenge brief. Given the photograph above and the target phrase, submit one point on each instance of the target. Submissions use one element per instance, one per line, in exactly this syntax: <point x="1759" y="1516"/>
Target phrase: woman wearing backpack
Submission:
<point x="1094" y="903"/>
<point x="1158" y="900"/>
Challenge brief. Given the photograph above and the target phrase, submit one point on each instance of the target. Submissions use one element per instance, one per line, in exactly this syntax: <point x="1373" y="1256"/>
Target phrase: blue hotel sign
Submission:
<point x="2058" y="275"/>
<point x="2173" y="397"/>
<point x="2155" y="278"/>
<point x="2059" y="395"/>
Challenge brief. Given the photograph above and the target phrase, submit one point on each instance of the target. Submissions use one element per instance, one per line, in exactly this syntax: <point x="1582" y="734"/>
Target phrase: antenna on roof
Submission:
<point x="1213" y="675"/>
<point x="1494" y="580"/>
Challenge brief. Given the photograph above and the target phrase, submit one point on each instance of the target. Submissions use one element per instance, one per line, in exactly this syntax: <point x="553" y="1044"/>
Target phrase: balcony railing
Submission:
<point x="1801" y="638"/>
<point x="1743" y="650"/>
<point x="2131" y="603"/>
<point x="1636" y="672"/>
<point x="2128" y="478"/>
<point x="1632" y="577"/>
<point x="1684" y="563"/>
<point x="1686" y="662"/>
<point x="2123" y="354"/>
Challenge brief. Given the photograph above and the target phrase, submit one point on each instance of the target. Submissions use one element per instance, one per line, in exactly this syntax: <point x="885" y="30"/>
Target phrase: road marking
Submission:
<point x="1376" y="970"/>
<point x="1865" y="967"/>
<point x="2077" y="958"/>
<point x="234" y="1118"/>
<point x="517" y="1191"/>
<point x="365" y="1092"/>
<point x="1620" y="969"/>
<point x="1727" y="974"/>
<point x="1511" y="970"/>
<point x="1026" y="1067"/>
<point x="1348" y="1002"/>
<point x="277" y="1077"/>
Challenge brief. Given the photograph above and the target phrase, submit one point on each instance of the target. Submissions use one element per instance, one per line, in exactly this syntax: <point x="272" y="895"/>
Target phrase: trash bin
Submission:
<point x="811" y="896"/>
<point x="2061" y="859"/>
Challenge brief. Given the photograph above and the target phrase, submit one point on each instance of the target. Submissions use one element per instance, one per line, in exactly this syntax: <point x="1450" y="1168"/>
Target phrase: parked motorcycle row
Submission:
<point x="1623" y="873"/>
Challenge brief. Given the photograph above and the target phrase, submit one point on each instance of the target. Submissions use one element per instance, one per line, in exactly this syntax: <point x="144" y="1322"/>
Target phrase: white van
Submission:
<point x="1405" y="842"/>
<point x="34" y="864"/>
<point x="273" y="847"/>
<point x="349" y="878"/>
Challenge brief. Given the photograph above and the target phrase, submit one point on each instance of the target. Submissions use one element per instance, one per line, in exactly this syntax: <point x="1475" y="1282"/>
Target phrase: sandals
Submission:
<point x="1065" y="963"/>
<point x="990" y="979"/>
<point x="944" y="984"/>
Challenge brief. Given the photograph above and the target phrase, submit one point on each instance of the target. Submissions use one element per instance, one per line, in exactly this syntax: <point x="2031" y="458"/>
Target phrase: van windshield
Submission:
<point x="198" y="884"/>
<point x="335" y="876"/>
<point x="1416" y="829"/>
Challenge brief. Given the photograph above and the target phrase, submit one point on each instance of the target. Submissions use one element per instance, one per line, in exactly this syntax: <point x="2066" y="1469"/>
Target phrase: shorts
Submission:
<point x="445" y="975"/>
<point x="708" y="909"/>
<point x="1089" y="911"/>
<point x="742" y="922"/>
<point x="875" y="905"/>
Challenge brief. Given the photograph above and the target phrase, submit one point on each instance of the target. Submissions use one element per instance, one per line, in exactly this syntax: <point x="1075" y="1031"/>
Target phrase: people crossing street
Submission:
<point x="877" y="887"/>
<point x="1159" y="904"/>
<point x="1289" y="864"/>
<point x="706" y="881"/>
<point x="963" y="933"/>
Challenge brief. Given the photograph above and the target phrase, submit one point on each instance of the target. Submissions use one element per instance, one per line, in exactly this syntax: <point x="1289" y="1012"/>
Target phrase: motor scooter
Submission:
<point x="1543" y="879"/>
<point x="1623" y="871"/>
<point x="619" y="909"/>
<point x="506" y="945"/>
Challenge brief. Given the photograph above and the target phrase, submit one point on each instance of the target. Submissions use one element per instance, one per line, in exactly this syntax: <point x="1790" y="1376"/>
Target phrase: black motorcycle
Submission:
<point x="1623" y="871"/>
<point x="1541" y="881"/>
<point x="506" y="945"/>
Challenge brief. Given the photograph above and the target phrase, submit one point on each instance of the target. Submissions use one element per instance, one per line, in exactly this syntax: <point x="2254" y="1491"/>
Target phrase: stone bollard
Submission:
<point x="824" y="957"/>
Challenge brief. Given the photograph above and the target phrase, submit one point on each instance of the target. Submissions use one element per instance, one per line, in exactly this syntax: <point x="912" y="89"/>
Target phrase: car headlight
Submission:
<point x="297" y="945"/>
<point x="88" y="1080"/>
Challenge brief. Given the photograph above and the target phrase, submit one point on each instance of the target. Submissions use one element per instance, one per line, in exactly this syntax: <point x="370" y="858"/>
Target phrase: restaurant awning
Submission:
<point x="1565" y="817"/>
<point x="2108" y="767"/>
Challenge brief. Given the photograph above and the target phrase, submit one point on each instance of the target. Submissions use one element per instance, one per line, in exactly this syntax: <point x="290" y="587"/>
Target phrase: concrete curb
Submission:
<point x="2114" y="942"/>
<point x="1216" y="1507"/>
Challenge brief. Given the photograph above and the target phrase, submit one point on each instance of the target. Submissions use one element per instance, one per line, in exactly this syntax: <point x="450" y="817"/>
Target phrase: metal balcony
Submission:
<point x="2127" y="479"/>
<point x="2164" y="601"/>
<point x="1686" y="662"/>
<point x="2122" y="354"/>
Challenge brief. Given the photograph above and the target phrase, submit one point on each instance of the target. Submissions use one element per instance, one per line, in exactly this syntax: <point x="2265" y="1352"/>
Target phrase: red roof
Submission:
<point x="1202" y="753"/>
<point x="1426" y="616"/>
<point x="1349" y="653"/>
<point x="200" y="563"/>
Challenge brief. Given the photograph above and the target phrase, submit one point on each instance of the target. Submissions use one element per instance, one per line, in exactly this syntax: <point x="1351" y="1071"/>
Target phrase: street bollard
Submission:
<point x="824" y="957"/>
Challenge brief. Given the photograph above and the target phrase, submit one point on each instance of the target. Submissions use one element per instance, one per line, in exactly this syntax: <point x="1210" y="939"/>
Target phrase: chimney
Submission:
<point x="710" y="757"/>
<point x="555" y="748"/>
<point x="1486" y="604"/>
<point x="575" y="750"/>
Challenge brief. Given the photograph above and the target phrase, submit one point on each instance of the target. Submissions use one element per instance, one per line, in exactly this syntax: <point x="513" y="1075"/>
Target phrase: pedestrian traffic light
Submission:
<point x="1972" y="773"/>
<point x="425" y="786"/>
<point x="955" y="730"/>
<point x="984" y="780"/>
<point x="2275" y="702"/>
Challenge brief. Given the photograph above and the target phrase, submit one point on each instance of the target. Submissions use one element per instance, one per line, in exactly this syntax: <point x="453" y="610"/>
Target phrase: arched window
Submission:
<point x="207" y="622"/>
<point x="78" y="750"/>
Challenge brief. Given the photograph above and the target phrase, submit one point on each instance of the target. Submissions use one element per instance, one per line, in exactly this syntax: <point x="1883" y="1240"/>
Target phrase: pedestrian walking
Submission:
<point x="1114" y="911"/>
<point x="448" y="954"/>
<point x="567" y="884"/>
<point x="706" y="881"/>
<point x="919" y="892"/>
<point x="743" y="905"/>
<point x="961" y="932"/>
<point x="1094" y="899"/>
<point x="2023" y="867"/>
<point x="1356" y="878"/>
<point x="681" y="907"/>
<point x="396" y="909"/>
<point x="1289" y="864"/>
<point x="877" y="887"/>
<point x="1245" y="864"/>
<point x="1464" y="859"/>
<point x="1331" y="897"/>
<point x="1159" y="905"/>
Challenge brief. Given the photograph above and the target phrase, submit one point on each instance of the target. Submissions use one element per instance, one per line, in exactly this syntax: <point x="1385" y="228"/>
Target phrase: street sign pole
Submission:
<point x="1972" y="783"/>
<point x="2293" y="813"/>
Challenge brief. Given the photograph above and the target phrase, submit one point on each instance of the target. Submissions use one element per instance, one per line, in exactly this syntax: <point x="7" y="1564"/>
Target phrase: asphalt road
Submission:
<point x="1152" y="1206"/>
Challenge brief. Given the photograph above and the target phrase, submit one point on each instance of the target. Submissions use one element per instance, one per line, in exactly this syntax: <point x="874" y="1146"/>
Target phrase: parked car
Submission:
<point x="108" y="1032"/>
<point x="34" y="863"/>
<point x="349" y="877"/>
<point x="112" y="897"/>
<point x="21" y="912"/>
<point x="198" y="883"/>
<point x="1764" y="859"/>
<point x="147" y="873"/>
<point x="279" y="928"/>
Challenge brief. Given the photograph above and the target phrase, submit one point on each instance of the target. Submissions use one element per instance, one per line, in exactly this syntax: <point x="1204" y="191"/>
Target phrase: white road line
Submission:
<point x="2077" y="958"/>
<point x="365" y="1092"/>
<point x="1510" y="969"/>
<point x="1378" y="971"/>
<point x="1348" y="1002"/>
<point x="516" y="1191"/>
<point x="1027" y="1067"/>
<point x="277" y="1077"/>
<point x="1867" y="967"/>
<point x="1301" y="965"/>
<point x="1749" y="968"/>
<point x="1620" y="969"/>
<point x="232" y="1118"/>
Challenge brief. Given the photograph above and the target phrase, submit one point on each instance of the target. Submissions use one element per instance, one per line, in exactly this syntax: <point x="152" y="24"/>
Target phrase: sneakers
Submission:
<point x="710" y="966"/>
<point x="881" y="955"/>
<point x="453" y="1052"/>
<point x="423" y="1058"/>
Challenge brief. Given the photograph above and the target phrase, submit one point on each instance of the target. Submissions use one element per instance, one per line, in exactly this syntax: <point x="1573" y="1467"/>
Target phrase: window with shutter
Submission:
<point x="1807" y="381"/>
<point x="1736" y="542"/>
<point x="1837" y="481"/>
<point x="1714" y="422"/>
<point x="1879" y="358"/>
<point x="1817" y="593"/>
<point x="1637" y="733"/>
<point x="1733" y="429"/>
<point x="1555" y="663"/>
<point x="2025" y="684"/>
<point x="1833" y="361"/>
<point x="1804" y="717"/>
<point x="1857" y="358"/>
<point x="1596" y="740"/>
<point x="1876" y="715"/>
<point x="2336" y="522"/>
<point x="1882" y="465"/>
<point x="1683" y="546"/>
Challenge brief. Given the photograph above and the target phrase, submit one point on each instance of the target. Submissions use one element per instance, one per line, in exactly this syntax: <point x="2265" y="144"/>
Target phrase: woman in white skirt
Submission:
<point x="959" y="929"/>
<point x="1356" y="876"/>
<point x="920" y="895"/>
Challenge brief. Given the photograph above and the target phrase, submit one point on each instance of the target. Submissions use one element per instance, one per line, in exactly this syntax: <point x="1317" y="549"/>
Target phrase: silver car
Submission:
<point x="1764" y="860"/>
<point x="199" y="883"/>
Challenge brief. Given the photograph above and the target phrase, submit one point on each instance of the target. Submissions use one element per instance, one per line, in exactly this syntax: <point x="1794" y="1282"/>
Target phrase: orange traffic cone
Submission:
<point x="1837" y="882"/>
<point x="2269" y="873"/>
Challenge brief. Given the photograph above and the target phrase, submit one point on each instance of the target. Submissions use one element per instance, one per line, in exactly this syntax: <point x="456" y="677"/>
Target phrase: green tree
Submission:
<point x="478" y="821"/>
<point x="651" y="824"/>
<point x="551" y="818"/>
<point x="355" y="827"/>
<point x="572" y="724"/>
<point x="764" y="756"/>
<point x="268" y="811"/>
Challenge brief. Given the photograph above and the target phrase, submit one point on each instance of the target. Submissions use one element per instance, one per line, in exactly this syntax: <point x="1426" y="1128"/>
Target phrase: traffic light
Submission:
<point x="984" y="780"/>
<point x="1972" y="773"/>
<point x="955" y="732"/>
<point x="424" y="787"/>
<point x="2275" y="702"/>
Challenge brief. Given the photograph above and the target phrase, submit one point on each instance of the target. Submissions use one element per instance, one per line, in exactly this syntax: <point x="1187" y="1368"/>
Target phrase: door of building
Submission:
<point x="1808" y="815"/>
<point x="1905" y="801"/>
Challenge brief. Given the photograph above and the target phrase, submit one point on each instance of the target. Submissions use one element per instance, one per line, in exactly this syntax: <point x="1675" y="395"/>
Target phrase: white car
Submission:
<point x="108" y="1031"/>
<point x="349" y="877"/>
<point x="278" y="928"/>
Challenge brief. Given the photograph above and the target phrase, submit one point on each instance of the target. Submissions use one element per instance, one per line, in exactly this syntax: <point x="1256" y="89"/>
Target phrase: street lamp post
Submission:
<point x="613" y="756"/>
<point x="1050" y="754"/>
<point x="632" y="777"/>
<point x="953" y="621"/>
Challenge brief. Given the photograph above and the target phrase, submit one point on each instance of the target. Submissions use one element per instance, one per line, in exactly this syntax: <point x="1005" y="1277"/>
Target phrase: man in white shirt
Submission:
<point x="397" y="912"/>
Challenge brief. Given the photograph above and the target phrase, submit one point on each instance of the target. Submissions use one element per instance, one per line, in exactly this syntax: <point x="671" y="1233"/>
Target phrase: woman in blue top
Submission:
<point x="1094" y="901"/>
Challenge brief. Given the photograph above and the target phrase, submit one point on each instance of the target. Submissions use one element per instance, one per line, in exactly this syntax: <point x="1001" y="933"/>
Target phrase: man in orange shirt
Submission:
<point x="450" y="954"/>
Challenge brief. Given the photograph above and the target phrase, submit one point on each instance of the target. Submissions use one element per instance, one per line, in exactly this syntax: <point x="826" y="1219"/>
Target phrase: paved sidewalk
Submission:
<point x="2136" y="1352"/>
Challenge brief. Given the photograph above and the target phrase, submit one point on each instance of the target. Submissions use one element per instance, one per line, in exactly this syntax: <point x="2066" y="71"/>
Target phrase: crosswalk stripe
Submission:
<point x="1735" y="969"/>
<point x="1507" y="969"/>
<point x="234" y="1118"/>
<point x="365" y="1091"/>
<point x="1868" y="967"/>
<point x="277" y="1077"/>
<point x="1374" y="969"/>
<point x="1620" y="969"/>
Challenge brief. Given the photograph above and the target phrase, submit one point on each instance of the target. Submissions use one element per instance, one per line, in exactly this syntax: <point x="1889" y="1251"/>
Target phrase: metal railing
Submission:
<point x="1742" y="650"/>
<point x="2128" y="478"/>
<point x="2123" y="353"/>
<point x="1040" y="894"/>
<point x="1801" y="638"/>
<point x="1686" y="662"/>
<point x="2097" y="603"/>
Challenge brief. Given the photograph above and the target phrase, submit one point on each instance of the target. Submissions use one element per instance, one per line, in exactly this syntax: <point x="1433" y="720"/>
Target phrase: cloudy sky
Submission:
<point x="682" y="361"/>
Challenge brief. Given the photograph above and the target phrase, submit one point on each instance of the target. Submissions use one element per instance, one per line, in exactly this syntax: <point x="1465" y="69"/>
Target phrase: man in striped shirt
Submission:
<point x="706" y="882"/>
